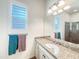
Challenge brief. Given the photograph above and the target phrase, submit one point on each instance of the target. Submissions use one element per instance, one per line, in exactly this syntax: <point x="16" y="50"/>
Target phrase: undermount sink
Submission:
<point x="54" y="47"/>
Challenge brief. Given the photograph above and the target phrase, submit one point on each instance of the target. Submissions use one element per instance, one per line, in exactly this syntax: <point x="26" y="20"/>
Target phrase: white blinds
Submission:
<point x="19" y="17"/>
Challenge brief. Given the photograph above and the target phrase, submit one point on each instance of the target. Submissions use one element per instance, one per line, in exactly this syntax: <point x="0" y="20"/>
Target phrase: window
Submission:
<point x="19" y="17"/>
<point x="57" y="23"/>
<point x="57" y="27"/>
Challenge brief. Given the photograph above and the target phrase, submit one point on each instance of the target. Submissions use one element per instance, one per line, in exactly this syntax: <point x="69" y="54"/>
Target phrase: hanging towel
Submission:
<point x="13" y="41"/>
<point x="58" y="35"/>
<point x="22" y="42"/>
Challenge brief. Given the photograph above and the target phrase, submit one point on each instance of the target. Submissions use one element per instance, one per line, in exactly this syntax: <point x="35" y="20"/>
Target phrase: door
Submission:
<point x="67" y="31"/>
<point x="74" y="33"/>
<point x="43" y="54"/>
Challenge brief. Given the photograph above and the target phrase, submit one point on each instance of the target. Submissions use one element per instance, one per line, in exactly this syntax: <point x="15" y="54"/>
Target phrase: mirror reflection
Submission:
<point x="66" y="20"/>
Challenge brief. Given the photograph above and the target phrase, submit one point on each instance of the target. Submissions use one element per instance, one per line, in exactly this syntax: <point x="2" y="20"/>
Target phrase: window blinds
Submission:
<point x="57" y="23"/>
<point x="19" y="17"/>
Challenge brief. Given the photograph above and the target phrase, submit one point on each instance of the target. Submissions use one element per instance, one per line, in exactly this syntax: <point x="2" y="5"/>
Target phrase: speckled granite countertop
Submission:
<point x="64" y="52"/>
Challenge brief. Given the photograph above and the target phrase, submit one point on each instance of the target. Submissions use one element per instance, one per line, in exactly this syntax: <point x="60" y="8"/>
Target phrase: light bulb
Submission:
<point x="54" y="8"/>
<point x="67" y="7"/>
<point x="49" y="11"/>
<point x="75" y="10"/>
<point x="60" y="11"/>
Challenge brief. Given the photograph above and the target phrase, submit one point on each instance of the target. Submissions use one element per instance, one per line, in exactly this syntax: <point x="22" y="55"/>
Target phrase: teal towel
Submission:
<point x="58" y="35"/>
<point x="13" y="43"/>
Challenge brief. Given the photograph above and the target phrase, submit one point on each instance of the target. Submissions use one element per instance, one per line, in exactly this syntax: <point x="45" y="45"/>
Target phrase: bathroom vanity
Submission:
<point x="47" y="49"/>
<point x="42" y="52"/>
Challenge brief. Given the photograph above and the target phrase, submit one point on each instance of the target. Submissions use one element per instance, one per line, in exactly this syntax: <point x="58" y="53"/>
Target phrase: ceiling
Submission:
<point x="73" y="3"/>
<point x="74" y="6"/>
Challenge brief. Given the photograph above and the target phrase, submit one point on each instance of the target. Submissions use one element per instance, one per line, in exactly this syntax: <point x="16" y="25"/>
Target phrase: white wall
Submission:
<point x="36" y="9"/>
<point x="49" y="19"/>
<point x="3" y="29"/>
<point x="49" y="25"/>
<point x="75" y="17"/>
<point x="36" y="16"/>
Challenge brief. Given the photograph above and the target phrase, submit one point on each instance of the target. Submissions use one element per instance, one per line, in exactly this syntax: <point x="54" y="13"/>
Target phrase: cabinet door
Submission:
<point x="37" y="51"/>
<point x="43" y="54"/>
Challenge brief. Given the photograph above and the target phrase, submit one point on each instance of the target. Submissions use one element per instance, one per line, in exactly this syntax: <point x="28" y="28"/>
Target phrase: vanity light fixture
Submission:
<point x="61" y="3"/>
<point x="60" y="11"/>
<point x="54" y="8"/>
<point x="67" y="7"/>
<point x="55" y="13"/>
<point x="57" y="8"/>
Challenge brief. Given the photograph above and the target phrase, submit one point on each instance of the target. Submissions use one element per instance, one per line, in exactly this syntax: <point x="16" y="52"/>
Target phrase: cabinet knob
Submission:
<point x="44" y="56"/>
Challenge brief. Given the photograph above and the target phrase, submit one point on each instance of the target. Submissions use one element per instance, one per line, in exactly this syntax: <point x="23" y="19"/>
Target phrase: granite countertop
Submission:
<point x="64" y="52"/>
